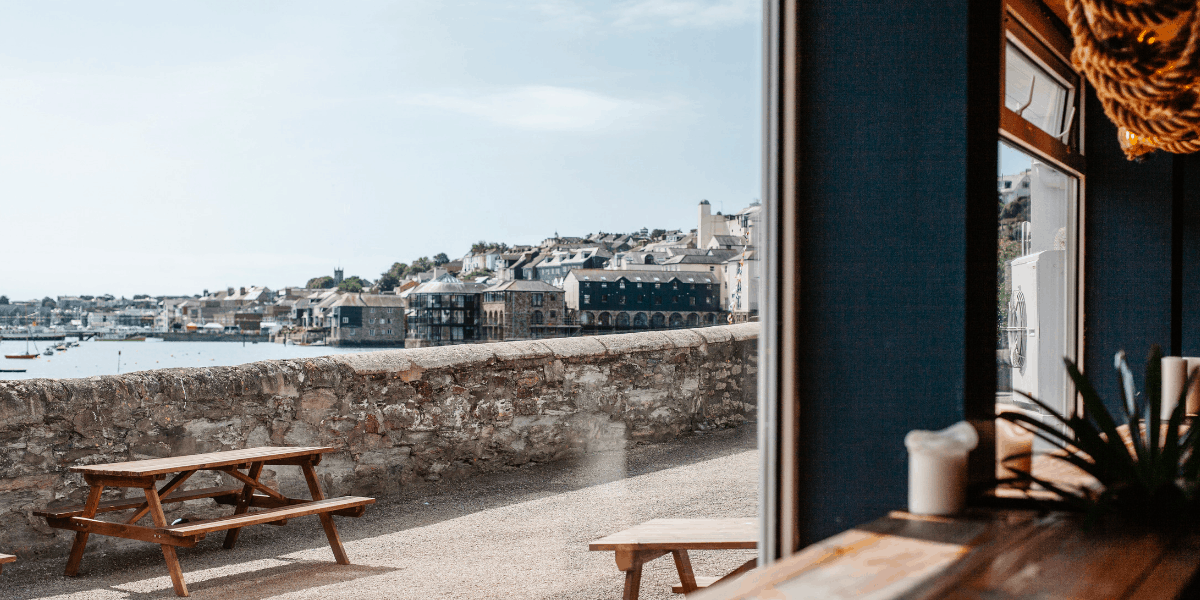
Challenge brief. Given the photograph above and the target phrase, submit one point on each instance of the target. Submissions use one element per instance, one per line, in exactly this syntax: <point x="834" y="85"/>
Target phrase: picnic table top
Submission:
<point x="161" y="466"/>
<point x="684" y="534"/>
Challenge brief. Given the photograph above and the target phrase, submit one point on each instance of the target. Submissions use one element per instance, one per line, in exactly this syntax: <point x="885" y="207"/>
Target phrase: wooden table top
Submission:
<point x="175" y="464"/>
<point x="684" y="534"/>
<point x="992" y="554"/>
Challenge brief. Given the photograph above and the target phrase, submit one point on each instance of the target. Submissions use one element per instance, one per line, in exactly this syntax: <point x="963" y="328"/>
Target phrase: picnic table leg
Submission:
<point x="683" y="564"/>
<point x="81" y="537"/>
<point x="160" y="520"/>
<point x="631" y="562"/>
<point x="243" y="504"/>
<point x="335" y="541"/>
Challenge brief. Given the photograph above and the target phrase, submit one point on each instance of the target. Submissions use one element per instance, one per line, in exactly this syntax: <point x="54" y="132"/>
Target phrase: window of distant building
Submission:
<point x="657" y="300"/>
<point x="587" y="299"/>
<point x="345" y="319"/>
<point x="692" y="300"/>
<point x="622" y="300"/>
<point x="536" y="299"/>
<point x="537" y="317"/>
<point x="604" y="297"/>
<point x="553" y="314"/>
<point x="621" y="284"/>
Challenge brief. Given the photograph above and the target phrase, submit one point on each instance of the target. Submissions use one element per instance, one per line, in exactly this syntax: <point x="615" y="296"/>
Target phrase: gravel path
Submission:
<point x="521" y="534"/>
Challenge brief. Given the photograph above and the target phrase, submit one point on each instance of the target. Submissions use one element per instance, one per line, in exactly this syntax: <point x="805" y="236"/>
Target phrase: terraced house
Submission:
<point x="367" y="320"/>
<point x="607" y="300"/>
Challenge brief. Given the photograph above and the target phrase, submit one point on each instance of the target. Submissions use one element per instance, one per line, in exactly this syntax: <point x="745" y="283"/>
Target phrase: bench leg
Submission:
<point x="81" y="537"/>
<point x="160" y="520"/>
<point x="331" y="532"/>
<point x="243" y="504"/>
<point x="683" y="564"/>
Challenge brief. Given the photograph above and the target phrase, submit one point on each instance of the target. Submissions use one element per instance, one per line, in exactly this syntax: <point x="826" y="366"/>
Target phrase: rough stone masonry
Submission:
<point x="396" y="417"/>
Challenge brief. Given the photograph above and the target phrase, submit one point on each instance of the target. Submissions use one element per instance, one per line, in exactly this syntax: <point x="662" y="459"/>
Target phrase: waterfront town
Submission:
<point x="564" y="286"/>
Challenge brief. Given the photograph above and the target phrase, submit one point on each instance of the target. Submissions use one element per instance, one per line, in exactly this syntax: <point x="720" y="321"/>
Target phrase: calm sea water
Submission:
<point x="108" y="358"/>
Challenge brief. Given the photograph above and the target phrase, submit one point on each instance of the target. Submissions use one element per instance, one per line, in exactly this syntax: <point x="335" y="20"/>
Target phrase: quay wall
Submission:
<point x="397" y="417"/>
<point x="181" y="336"/>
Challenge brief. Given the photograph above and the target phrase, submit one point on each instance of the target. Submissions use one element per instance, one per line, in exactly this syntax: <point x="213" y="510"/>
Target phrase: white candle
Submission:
<point x="1174" y="375"/>
<point x="937" y="469"/>
<point x="1193" y="397"/>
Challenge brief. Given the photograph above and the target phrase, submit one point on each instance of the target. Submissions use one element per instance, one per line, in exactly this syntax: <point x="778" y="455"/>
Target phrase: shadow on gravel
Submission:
<point x="118" y="573"/>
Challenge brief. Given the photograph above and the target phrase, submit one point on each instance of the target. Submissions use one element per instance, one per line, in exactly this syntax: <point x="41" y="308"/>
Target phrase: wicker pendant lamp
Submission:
<point x="1144" y="60"/>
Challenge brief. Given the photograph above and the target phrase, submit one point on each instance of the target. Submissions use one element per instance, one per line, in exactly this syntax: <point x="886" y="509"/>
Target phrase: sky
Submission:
<point x="165" y="147"/>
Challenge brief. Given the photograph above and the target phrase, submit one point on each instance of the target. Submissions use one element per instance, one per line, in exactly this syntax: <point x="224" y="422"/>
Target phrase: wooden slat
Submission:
<point x="133" y="532"/>
<point x="261" y="501"/>
<point x="684" y="534"/>
<point x="702" y="581"/>
<point x="1173" y="573"/>
<point x="265" y="516"/>
<point x="162" y="466"/>
<point x="131" y="503"/>
<point x="7" y="558"/>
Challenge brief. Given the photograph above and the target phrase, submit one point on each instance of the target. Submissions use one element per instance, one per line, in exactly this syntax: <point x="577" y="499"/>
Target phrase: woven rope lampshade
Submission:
<point x="1144" y="60"/>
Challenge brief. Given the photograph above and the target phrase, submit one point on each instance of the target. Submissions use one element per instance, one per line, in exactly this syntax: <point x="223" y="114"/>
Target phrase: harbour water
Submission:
<point x="109" y="358"/>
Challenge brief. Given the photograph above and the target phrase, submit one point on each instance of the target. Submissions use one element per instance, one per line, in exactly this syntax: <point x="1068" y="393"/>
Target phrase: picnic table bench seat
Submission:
<point x="121" y="504"/>
<point x="6" y="558"/>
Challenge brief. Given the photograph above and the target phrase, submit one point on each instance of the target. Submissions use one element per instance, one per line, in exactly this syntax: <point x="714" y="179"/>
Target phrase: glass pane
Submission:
<point x="1046" y="107"/>
<point x="1034" y="309"/>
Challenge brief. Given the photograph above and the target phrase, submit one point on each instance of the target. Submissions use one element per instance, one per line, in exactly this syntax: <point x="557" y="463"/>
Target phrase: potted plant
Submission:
<point x="1148" y="476"/>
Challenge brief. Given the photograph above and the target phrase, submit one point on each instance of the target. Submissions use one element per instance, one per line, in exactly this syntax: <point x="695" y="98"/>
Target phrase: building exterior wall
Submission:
<point x="522" y="315"/>
<point x="443" y="319"/>
<point x="396" y="417"/>
<point x="367" y="326"/>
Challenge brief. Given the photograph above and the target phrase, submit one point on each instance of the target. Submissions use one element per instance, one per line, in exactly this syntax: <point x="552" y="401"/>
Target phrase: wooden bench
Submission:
<point x="5" y="559"/>
<point x="639" y="545"/>
<point x="277" y="509"/>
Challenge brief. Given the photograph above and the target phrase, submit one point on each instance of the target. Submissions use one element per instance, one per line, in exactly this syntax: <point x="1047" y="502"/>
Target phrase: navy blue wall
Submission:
<point x="897" y="226"/>
<point x="1128" y="258"/>
<point x="1189" y="167"/>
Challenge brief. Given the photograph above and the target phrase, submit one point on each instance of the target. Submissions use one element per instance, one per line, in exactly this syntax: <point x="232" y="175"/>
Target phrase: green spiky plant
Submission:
<point x="1155" y="481"/>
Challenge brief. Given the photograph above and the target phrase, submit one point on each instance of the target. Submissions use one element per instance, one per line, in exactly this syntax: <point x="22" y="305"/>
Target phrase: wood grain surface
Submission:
<point x="162" y="466"/>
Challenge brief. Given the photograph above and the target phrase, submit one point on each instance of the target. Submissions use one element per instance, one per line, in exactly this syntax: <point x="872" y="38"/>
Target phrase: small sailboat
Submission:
<point x="48" y="351"/>
<point x="27" y="355"/>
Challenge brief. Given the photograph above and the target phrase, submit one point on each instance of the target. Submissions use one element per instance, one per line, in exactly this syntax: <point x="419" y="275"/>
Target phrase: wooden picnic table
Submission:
<point x="247" y="494"/>
<point x="643" y="543"/>
<point x="984" y="554"/>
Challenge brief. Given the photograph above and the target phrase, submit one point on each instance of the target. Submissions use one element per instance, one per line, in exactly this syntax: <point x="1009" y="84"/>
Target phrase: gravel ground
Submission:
<point x="520" y="534"/>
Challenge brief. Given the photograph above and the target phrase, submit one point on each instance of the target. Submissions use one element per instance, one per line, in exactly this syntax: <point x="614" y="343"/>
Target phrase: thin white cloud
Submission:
<point x="564" y="13"/>
<point x="547" y="108"/>
<point x="705" y="14"/>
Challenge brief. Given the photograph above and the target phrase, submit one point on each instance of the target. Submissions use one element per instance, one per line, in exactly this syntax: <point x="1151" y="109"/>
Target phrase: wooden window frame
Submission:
<point x="1032" y="28"/>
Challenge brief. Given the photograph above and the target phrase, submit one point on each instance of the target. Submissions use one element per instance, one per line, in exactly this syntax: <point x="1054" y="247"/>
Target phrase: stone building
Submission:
<point x="367" y="320"/>
<point x="521" y="310"/>
<point x="608" y="300"/>
<point x="443" y="311"/>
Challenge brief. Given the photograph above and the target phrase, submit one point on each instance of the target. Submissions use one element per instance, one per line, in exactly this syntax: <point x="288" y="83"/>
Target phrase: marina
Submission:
<point x="73" y="359"/>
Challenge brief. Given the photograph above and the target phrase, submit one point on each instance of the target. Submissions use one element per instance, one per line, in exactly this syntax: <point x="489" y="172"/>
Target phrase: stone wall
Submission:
<point x="396" y="417"/>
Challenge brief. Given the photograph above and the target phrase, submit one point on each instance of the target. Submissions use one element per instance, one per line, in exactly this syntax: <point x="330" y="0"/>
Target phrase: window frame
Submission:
<point x="1028" y="25"/>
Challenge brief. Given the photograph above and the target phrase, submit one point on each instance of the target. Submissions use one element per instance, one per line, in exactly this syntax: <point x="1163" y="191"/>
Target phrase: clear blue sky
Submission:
<point x="167" y="147"/>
